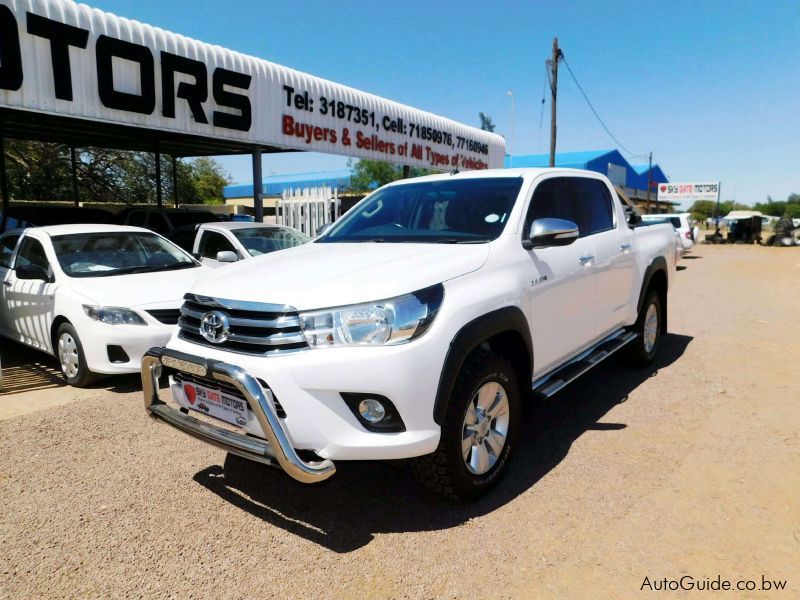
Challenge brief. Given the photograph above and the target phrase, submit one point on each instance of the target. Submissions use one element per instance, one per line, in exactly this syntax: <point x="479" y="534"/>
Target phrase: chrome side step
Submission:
<point x="564" y="375"/>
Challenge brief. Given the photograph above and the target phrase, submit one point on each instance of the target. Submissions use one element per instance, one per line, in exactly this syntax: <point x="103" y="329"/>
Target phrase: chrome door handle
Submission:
<point x="586" y="260"/>
<point x="626" y="247"/>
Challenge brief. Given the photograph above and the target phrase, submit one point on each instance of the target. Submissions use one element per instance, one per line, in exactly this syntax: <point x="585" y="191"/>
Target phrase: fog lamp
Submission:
<point x="371" y="410"/>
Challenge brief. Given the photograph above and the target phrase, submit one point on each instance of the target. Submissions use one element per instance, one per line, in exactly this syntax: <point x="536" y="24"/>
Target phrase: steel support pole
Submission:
<point x="73" y="162"/>
<point x="159" y="199"/>
<point x="3" y="182"/>
<point x="175" y="181"/>
<point x="258" y="186"/>
<point x="406" y="171"/>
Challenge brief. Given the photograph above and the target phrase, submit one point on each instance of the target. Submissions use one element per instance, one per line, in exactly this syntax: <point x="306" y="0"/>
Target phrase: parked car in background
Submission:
<point x="216" y="244"/>
<point x="21" y="216"/>
<point x="166" y="221"/>
<point x="681" y="222"/>
<point x="94" y="296"/>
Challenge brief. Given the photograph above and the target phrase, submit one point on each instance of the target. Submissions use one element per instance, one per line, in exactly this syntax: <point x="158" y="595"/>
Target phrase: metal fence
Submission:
<point x="308" y="209"/>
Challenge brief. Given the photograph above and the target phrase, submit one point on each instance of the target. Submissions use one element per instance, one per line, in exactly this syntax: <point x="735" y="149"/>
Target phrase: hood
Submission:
<point x="333" y="274"/>
<point x="139" y="289"/>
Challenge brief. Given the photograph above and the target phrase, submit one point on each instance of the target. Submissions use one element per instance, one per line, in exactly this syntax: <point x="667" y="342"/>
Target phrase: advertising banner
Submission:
<point x="67" y="59"/>
<point x="688" y="192"/>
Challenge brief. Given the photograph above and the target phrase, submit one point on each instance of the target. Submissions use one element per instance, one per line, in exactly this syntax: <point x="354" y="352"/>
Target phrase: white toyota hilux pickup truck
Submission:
<point x="417" y="326"/>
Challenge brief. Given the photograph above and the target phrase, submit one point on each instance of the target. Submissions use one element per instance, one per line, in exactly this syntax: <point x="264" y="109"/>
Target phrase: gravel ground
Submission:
<point x="688" y="468"/>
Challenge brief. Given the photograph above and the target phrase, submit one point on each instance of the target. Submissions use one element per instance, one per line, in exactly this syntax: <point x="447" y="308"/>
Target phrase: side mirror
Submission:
<point x="551" y="232"/>
<point x="324" y="229"/>
<point x="227" y="256"/>
<point x="31" y="272"/>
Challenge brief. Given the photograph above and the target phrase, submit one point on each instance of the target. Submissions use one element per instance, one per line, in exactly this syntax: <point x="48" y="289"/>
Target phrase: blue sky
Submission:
<point x="711" y="88"/>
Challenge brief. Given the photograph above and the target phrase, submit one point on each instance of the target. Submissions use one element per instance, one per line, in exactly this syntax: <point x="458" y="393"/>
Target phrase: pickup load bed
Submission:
<point x="417" y="326"/>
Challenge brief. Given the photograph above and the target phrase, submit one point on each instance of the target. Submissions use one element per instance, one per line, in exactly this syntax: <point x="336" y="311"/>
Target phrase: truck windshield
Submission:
<point x="117" y="253"/>
<point x="261" y="240"/>
<point x="441" y="211"/>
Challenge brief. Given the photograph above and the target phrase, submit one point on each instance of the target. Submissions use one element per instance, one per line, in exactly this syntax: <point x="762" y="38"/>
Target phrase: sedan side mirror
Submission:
<point x="227" y="256"/>
<point x="551" y="232"/>
<point x="31" y="272"/>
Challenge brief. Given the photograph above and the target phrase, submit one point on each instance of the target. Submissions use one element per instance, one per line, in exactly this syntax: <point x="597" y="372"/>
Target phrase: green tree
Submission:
<point x="43" y="171"/>
<point x="370" y="174"/>
<point x="486" y="122"/>
<point x="206" y="178"/>
<point x="704" y="209"/>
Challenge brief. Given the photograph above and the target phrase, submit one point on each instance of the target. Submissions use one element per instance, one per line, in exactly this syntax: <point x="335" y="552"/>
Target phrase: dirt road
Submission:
<point x="691" y="468"/>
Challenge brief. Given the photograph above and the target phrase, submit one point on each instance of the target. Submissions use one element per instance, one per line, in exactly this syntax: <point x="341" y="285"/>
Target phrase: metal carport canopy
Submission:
<point x="76" y="75"/>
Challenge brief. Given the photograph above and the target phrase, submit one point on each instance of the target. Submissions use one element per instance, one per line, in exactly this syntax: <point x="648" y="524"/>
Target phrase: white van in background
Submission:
<point x="682" y="225"/>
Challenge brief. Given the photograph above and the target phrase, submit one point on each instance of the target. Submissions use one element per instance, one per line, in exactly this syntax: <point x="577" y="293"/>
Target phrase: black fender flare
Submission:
<point x="469" y="337"/>
<point x="659" y="264"/>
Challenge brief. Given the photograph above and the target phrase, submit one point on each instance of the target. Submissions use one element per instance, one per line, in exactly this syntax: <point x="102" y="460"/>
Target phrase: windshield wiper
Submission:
<point x="458" y="241"/>
<point x="144" y="269"/>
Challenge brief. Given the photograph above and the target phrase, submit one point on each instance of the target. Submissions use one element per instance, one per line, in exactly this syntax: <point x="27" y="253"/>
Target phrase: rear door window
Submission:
<point x="593" y="205"/>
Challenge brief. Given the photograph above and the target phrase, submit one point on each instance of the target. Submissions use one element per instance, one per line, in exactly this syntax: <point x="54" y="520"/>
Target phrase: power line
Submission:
<point x="597" y="116"/>
<point x="541" y="114"/>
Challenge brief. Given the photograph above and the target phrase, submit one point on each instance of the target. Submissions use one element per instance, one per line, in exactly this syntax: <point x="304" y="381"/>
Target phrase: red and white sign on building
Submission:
<point x="688" y="192"/>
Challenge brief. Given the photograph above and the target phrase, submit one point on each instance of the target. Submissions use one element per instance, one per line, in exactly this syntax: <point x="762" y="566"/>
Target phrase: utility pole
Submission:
<point x="650" y="181"/>
<point x="557" y="54"/>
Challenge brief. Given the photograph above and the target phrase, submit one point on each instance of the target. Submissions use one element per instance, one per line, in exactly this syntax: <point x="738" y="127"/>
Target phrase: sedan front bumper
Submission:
<point x="275" y="450"/>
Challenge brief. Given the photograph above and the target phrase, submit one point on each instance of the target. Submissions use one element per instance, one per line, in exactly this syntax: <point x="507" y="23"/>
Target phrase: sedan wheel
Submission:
<point x="68" y="355"/>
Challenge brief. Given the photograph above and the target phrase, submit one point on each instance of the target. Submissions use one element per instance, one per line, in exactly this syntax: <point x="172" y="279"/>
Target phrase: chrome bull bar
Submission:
<point x="275" y="449"/>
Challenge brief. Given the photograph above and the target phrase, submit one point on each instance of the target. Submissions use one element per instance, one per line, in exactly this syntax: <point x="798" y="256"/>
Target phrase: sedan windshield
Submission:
<point x="440" y="211"/>
<point x="117" y="253"/>
<point x="261" y="240"/>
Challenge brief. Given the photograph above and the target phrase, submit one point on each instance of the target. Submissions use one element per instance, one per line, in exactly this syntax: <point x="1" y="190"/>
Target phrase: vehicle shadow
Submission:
<point x="363" y="499"/>
<point x="25" y="369"/>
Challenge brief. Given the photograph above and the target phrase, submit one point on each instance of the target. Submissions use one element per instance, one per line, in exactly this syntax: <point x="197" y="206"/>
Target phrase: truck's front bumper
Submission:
<point x="276" y="450"/>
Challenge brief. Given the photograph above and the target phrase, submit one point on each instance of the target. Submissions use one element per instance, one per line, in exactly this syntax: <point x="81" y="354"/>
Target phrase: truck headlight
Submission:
<point x="113" y="315"/>
<point x="386" y="322"/>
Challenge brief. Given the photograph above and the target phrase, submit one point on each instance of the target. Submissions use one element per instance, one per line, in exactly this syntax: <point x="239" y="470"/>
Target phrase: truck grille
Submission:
<point x="253" y="327"/>
<point x="228" y="388"/>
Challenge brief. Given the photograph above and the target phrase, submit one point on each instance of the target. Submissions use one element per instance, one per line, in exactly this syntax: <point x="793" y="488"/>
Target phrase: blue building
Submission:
<point x="631" y="179"/>
<point x="274" y="185"/>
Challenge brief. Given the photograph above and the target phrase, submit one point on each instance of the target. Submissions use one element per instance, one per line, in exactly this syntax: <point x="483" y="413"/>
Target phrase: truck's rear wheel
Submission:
<point x="478" y="430"/>
<point x="648" y="326"/>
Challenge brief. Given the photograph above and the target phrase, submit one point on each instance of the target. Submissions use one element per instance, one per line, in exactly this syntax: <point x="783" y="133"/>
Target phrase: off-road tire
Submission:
<point x="444" y="472"/>
<point x="636" y="351"/>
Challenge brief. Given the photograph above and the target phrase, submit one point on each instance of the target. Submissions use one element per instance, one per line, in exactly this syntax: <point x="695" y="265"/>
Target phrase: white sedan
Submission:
<point x="97" y="297"/>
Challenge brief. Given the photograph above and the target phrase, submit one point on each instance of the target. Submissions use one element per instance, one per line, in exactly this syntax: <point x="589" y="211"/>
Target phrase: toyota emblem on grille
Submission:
<point x="214" y="327"/>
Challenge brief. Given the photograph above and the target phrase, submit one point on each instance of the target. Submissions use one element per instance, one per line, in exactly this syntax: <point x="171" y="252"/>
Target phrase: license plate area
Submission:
<point x="214" y="402"/>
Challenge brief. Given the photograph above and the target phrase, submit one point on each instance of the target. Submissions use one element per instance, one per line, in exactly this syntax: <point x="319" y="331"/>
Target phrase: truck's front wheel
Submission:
<point x="478" y="430"/>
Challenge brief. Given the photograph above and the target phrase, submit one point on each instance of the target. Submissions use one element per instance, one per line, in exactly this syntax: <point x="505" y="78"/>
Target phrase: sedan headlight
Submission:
<point x="386" y="322"/>
<point x="113" y="315"/>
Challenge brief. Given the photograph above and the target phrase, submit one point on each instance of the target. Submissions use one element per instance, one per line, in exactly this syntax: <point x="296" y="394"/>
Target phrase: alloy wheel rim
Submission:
<point x="68" y="355"/>
<point x="485" y="428"/>
<point x="650" y="328"/>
